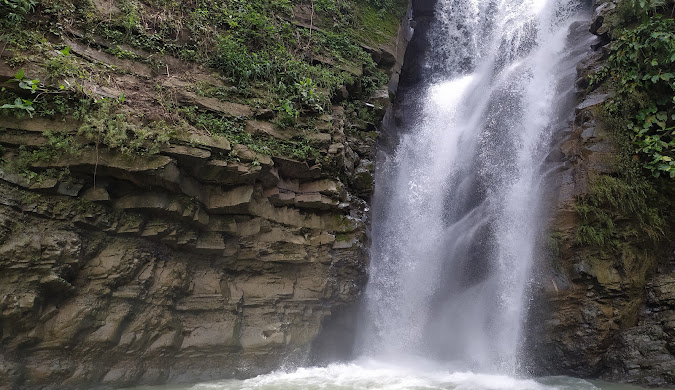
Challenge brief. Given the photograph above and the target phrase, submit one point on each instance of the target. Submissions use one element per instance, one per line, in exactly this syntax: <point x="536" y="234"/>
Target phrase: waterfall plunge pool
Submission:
<point x="377" y="375"/>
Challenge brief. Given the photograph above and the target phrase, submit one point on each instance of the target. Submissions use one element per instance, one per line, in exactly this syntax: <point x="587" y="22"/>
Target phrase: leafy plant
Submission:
<point x="57" y="145"/>
<point x="15" y="11"/>
<point x="23" y="82"/>
<point x="640" y="9"/>
<point x="641" y="70"/>
<point x="109" y="125"/>
<point x="20" y="104"/>
<point x="64" y="65"/>
<point x="288" y="113"/>
<point x="234" y="130"/>
<point x="309" y="96"/>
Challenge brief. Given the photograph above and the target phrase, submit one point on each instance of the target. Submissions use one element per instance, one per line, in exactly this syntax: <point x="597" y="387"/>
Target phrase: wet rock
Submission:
<point x="187" y="154"/>
<point x="362" y="180"/>
<point x="227" y="108"/>
<point x="321" y="140"/>
<point x="96" y="194"/>
<point x="599" y="313"/>
<point x="341" y="94"/>
<point x="331" y="188"/>
<point x="261" y="128"/>
<point x="264" y="113"/>
<point x="315" y="201"/>
<point x="228" y="172"/>
<point x="69" y="188"/>
<point x="598" y="27"/>
<point x="22" y="181"/>
<point x="214" y="142"/>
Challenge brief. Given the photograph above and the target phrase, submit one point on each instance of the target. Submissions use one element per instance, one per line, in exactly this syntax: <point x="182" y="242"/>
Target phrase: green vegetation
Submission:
<point x="618" y="210"/>
<point x="15" y="11"/>
<point x="23" y="106"/>
<point x="111" y="126"/>
<point x="641" y="72"/>
<point x="287" y="56"/>
<point x="255" y="44"/>
<point x="634" y="208"/>
<point x="57" y="145"/>
<point x="233" y="130"/>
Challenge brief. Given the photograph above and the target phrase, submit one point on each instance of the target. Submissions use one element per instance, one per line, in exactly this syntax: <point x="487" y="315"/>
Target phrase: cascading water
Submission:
<point x="456" y="209"/>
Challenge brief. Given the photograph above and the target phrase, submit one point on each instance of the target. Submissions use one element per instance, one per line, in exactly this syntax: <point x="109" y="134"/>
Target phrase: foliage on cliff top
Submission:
<point x="287" y="55"/>
<point x="641" y="72"/>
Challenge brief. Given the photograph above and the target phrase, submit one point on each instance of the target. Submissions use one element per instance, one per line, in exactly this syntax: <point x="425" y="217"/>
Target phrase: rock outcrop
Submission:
<point x="204" y="260"/>
<point x="176" y="266"/>
<point x="598" y="312"/>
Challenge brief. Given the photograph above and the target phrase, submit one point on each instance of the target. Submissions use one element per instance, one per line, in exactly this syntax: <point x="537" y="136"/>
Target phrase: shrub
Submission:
<point x="641" y="70"/>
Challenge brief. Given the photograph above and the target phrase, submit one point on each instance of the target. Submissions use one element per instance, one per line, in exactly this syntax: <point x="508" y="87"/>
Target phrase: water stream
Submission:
<point x="457" y="211"/>
<point x="457" y="205"/>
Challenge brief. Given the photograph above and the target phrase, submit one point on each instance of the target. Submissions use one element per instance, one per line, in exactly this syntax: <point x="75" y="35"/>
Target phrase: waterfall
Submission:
<point x="457" y="208"/>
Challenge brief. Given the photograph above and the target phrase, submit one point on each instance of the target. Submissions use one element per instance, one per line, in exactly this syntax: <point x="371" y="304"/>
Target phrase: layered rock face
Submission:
<point x="177" y="266"/>
<point x="598" y="313"/>
<point x="206" y="260"/>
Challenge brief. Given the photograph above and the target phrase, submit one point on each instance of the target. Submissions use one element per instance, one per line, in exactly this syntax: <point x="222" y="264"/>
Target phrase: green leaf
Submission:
<point x="66" y="51"/>
<point x="19" y="74"/>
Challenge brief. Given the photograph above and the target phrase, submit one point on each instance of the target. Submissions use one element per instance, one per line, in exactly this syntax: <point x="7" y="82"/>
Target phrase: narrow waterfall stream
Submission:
<point x="458" y="208"/>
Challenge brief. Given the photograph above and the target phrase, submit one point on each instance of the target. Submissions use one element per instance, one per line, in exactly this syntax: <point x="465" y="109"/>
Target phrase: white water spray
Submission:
<point x="455" y="228"/>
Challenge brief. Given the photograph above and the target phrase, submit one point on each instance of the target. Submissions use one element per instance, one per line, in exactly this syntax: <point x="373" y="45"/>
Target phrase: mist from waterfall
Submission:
<point x="457" y="208"/>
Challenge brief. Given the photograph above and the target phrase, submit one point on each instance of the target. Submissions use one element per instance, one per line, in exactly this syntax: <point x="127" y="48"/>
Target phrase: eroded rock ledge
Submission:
<point x="176" y="266"/>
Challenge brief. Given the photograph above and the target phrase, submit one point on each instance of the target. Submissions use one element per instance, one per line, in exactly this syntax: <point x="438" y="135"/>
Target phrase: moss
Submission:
<point x="378" y="25"/>
<point x="627" y="212"/>
<point x="28" y="198"/>
<point x="554" y="243"/>
<point x="341" y="237"/>
<point x="618" y="209"/>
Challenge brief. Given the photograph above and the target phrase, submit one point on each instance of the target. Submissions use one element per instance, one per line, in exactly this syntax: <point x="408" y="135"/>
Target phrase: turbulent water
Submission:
<point x="372" y="375"/>
<point x="457" y="209"/>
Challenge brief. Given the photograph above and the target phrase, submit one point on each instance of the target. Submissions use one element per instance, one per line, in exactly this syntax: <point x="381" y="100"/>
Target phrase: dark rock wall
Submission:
<point x="597" y="314"/>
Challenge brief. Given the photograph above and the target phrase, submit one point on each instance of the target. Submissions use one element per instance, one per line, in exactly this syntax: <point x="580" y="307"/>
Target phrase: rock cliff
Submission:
<point x="204" y="255"/>
<point x="603" y="307"/>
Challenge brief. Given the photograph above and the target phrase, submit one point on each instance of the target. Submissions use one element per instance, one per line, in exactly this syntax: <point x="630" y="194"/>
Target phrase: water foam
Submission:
<point x="377" y="375"/>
